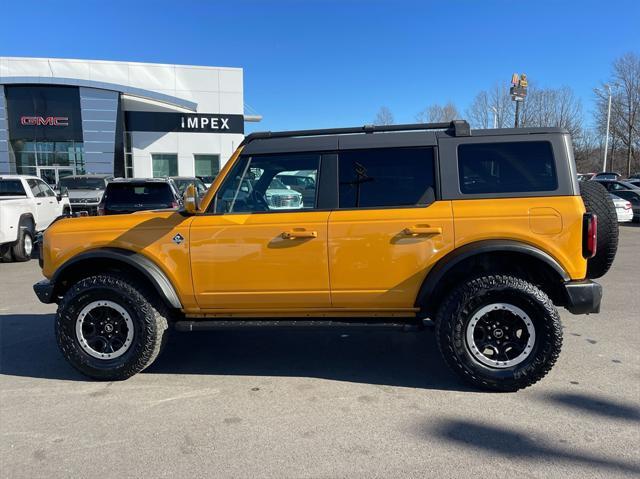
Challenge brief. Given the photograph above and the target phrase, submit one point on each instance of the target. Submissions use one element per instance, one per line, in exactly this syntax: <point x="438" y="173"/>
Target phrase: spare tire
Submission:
<point x="597" y="200"/>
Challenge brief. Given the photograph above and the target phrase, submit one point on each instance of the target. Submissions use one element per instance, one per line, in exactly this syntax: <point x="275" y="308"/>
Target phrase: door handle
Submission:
<point x="38" y="203"/>
<point x="422" y="230"/>
<point x="299" y="234"/>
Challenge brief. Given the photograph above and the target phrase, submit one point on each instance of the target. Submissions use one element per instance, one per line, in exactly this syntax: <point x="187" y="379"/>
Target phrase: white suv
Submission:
<point x="27" y="206"/>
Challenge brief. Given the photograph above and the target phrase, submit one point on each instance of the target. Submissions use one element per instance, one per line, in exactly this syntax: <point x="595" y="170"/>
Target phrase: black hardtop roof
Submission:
<point x="374" y="136"/>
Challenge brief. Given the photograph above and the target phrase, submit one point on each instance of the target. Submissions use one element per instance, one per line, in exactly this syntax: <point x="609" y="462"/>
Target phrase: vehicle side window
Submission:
<point x="617" y="186"/>
<point x="46" y="189"/>
<point x="386" y="177"/>
<point x="255" y="184"/>
<point x="11" y="188"/>
<point x="34" y="185"/>
<point x="510" y="167"/>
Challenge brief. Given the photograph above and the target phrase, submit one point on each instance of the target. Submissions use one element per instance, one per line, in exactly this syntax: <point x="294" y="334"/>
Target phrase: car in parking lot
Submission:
<point x="304" y="182"/>
<point x="585" y="176"/>
<point x="182" y="182"/>
<point x="28" y="206"/>
<point x="616" y="185"/>
<point x="124" y="196"/>
<point x="487" y="232"/>
<point x="85" y="191"/>
<point x="627" y="203"/>
<point x="606" y="175"/>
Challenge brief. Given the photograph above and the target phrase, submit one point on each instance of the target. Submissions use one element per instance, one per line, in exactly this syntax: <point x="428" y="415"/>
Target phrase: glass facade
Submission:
<point x="45" y="131"/>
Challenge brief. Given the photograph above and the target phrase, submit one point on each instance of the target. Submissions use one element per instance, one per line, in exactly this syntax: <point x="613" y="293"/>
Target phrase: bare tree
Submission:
<point x="384" y="117"/>
<point x="588" y="151"/>
<point x="625" y="109"/>
<point x="436" y="113"/>
<point x="492" y="107"/>
<point x="557" y="107"/>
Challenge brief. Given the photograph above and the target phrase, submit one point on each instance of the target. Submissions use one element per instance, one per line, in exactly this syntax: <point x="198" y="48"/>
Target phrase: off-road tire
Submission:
<point x="148" y="314"/>
<point x="465" y="300"/>
<point x="19" y="249"/>
<point x="597" y="200"/>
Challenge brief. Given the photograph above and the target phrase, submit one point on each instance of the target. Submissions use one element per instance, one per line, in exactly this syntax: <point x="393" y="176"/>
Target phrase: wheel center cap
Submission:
<point x="108" y="327"/>
<point x="498" y="333"/>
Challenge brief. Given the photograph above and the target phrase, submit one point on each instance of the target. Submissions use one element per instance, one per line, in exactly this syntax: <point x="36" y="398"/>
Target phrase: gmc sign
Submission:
<point x="44" y="121"/>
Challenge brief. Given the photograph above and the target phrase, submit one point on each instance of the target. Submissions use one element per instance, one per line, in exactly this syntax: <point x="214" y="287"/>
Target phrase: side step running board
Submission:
<point x="302" y="324"/>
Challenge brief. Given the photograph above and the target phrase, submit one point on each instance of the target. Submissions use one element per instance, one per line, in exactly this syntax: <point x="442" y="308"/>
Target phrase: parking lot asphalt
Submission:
<point x="320" y="404"/>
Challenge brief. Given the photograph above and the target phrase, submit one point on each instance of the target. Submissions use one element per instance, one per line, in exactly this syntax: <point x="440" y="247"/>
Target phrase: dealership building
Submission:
<point x="60" y="117"/>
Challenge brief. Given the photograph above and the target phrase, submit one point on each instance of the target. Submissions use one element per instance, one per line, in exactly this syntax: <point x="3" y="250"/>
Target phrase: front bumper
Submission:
<point x="44" y="291"/>
<point x="583" y="297"/>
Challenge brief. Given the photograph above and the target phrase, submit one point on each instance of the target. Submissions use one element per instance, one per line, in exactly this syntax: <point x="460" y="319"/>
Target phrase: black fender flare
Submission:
<point x="139" y="262"/>
<point x="449" y="261"/>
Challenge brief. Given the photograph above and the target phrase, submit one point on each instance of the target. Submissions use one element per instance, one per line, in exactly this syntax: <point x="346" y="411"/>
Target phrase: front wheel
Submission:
<point x="110" y="329"/>
<point x="499" y="333"/>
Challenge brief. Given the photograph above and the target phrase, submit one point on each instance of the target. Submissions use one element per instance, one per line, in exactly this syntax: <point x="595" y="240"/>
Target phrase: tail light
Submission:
<point x="174" y="204"/>
<point x="589" y="235"/>
<point x="627" y="206"/>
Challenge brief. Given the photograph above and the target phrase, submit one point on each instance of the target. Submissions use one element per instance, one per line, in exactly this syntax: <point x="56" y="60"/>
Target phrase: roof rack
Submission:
<point x="455" y="127"/>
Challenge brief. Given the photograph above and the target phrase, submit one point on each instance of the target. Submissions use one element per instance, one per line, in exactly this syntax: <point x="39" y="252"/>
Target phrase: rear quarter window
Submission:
<point x="12" y="188"/>
<point x="509" y="167"/>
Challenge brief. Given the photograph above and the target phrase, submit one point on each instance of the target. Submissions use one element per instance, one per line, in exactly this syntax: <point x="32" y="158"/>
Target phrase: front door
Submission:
<point x="389" y="229"/>
<point x="260" y="248"/>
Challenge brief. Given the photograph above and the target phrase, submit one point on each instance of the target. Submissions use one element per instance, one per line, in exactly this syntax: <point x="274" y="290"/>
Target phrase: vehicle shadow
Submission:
<point x="28" y="348"/>
<point x="517" y="445"/>
<point x="394" y="358"/>
<point x="391" y="358"/>
<point x="595" y="405"/>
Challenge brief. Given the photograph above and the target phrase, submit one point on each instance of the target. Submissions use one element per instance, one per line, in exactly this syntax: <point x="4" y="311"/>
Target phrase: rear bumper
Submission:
<point x="44" y="291"/>
<point x="583" y="297"/>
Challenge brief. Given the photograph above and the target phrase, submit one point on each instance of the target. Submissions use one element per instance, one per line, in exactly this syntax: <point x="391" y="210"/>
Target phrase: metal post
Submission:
<point x="495" y="116"/>
<point x="517" y="113"/>
<point x="606" y="137"/>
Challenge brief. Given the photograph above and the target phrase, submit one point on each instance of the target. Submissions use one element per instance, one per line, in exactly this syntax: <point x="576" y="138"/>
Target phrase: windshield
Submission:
<point x="11" y="188"/>
<point x="276" y="184"/>
<point x="82" y="183"/>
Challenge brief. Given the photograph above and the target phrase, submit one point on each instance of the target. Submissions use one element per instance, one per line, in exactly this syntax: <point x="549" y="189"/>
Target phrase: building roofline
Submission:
<point x="120" y="62"/>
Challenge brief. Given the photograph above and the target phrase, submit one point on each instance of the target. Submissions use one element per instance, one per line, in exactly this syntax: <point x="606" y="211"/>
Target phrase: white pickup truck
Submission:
<point x="27" y="206"/>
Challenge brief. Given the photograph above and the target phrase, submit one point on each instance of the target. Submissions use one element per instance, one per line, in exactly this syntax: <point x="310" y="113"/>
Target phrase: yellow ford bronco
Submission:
<point x="485" y="232"/>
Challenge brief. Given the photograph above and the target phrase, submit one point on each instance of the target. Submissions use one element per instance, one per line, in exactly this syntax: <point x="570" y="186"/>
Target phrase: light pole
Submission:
<point x="606" y="135"/>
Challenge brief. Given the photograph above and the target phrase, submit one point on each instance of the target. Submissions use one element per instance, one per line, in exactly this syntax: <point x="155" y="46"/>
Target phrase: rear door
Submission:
<point x="389" y="228"/>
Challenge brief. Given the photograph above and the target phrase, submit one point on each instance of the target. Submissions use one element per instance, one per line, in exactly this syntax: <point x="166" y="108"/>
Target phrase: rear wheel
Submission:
<point x="110" y="329"/>
<point x="23" y="247"/>
<point x="499" y="333"/>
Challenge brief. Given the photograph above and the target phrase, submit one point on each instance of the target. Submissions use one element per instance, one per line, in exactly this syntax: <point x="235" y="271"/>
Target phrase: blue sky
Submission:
<point x="334" y="63"/>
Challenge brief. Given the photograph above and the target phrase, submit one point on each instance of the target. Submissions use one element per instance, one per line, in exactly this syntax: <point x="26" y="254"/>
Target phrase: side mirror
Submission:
<point x="190" y="200"/>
